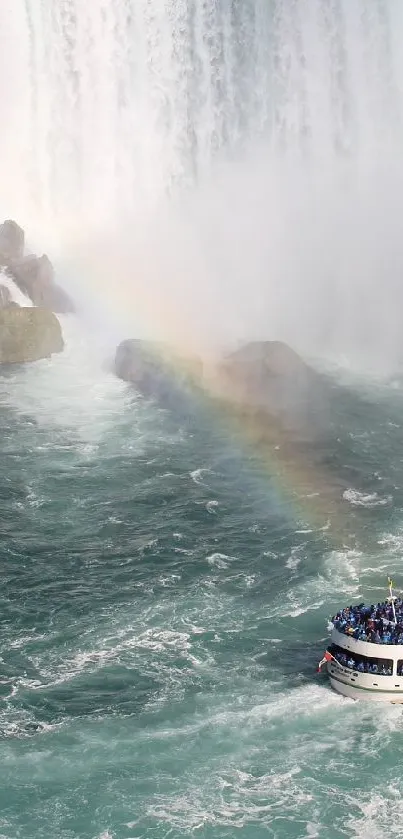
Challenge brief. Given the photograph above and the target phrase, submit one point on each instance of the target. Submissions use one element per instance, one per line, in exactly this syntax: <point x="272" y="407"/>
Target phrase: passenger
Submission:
<point x="374" y="623"/>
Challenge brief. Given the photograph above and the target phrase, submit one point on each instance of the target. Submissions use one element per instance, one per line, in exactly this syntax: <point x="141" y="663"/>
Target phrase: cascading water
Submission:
<point x="129" y="99"/>
<point x="274" y="123"/>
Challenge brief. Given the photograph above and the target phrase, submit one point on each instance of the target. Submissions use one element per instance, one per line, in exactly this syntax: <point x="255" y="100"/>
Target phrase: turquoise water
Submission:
<point x="163" y="607"/>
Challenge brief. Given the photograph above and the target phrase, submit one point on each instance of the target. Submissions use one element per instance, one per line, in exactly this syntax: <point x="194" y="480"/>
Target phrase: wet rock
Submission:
<point x="12" y="240"/>
<point x="35" y="277"/>
<point x="265" y="372"/>
<point x="33" y="274"/>
<point x="270" y="380"/>
<point x="28" y="334"/>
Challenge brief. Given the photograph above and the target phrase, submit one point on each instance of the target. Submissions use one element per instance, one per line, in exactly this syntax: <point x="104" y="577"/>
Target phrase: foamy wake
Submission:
<point x="311" y="727"/>
<point x="380" y="815"/>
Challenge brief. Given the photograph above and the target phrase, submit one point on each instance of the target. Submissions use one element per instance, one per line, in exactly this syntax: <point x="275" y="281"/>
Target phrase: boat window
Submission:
<point x="400" y="667"/>
<point x="362" y="663"/>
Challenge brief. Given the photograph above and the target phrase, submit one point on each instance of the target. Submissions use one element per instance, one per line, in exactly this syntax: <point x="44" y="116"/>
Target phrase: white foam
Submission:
<point x="219" y="560"/>
<point x="295" y="557"/>
<point x="198" y="474"/>
<point x="72" y="390"/>
<point x="340" y="573"/>
<point x="380" y="813"/>
<point x="362" y="499"/>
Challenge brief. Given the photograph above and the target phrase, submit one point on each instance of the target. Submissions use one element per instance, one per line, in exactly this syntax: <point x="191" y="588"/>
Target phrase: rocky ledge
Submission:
<point x="34" y="275"/>
<point x="28" y="334"/>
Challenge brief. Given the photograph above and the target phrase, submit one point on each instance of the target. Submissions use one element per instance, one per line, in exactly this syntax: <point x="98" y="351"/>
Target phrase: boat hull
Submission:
<point x="370" y="686"/>
<point x="360" y="693"/>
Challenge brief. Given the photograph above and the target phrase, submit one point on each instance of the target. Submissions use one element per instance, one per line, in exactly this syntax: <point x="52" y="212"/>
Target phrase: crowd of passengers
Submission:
<point x="366" y="665"/>
<point x="372" y="623"/>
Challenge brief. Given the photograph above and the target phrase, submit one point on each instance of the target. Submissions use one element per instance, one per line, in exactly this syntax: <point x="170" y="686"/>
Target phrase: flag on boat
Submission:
<point x="327" y="657"/>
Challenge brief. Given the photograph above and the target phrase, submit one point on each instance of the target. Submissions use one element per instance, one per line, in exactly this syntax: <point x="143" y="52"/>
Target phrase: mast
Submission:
<point x="391" y="598"/>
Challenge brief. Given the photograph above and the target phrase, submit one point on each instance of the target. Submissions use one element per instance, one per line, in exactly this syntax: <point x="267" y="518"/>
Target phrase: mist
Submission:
<point x="215" y="173"/>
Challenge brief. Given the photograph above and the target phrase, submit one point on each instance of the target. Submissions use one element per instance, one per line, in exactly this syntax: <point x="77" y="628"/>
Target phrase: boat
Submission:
<point x="364" y="659"/>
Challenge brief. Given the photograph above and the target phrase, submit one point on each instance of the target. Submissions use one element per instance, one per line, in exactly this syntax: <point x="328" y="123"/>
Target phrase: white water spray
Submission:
<point x="248" y="151"/>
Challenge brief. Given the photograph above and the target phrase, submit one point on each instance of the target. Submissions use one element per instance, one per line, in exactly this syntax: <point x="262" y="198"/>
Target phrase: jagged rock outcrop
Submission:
<point x="271" y="378"/>
<point x="269" y="382"/>
<point x="34" y="275"/>
<point x="264" y="373"/>
<point x="28" y="334"/>
<point x="12" y="241"/>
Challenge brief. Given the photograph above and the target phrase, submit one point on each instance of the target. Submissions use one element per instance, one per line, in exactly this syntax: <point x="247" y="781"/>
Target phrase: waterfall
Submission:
<point x="121" y="101"/>
<point x="115" y="106"/>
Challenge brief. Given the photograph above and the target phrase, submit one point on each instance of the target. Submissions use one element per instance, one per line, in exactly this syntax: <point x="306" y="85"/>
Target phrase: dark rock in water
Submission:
<point x="265" y="372"/>
<point x="28" y="334"/>
<point x="270" y="377"/>
<point x="35" y="277"/>
<point x="266" y="378"/>
<point x="6" y="301"/>
<point x="12" y="240"/>
<point x="156" y="370"/>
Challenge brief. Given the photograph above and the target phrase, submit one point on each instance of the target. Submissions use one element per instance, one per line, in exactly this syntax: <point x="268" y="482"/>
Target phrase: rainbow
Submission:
<point x="305" y="489"/>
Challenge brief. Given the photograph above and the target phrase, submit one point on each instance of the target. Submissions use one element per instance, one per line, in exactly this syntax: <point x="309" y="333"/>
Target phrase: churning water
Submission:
<point x="164" y="595"/>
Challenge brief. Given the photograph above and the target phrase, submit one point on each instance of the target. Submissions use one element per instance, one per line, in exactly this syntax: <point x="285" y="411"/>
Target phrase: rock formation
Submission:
<point x="33" y="275"/>
<point x="12" y="241"/>
<point x="28" y="334"/>
<point x="264" y="379"/>
<point x="6" y="301"/>
<point x="270" y="378"/>
<point x="264" y="373"/>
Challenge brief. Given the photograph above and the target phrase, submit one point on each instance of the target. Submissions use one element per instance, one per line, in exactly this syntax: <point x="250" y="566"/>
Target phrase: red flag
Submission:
<point x="327" y="657"/>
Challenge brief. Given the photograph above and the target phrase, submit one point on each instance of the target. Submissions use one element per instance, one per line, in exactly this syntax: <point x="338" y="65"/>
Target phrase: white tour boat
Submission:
<point x="365" y="657"/>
